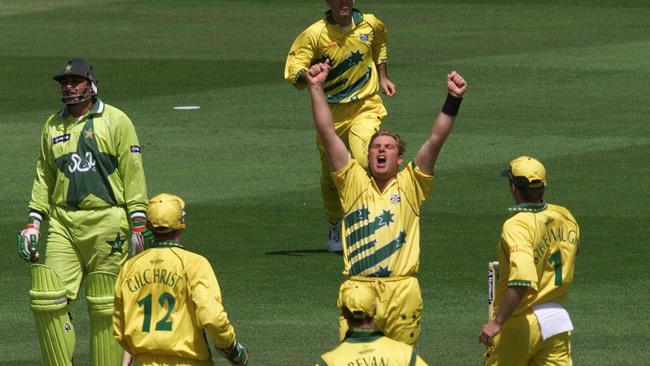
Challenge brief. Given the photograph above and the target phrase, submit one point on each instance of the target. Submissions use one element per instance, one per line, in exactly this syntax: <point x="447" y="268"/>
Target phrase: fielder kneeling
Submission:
<point x="167" y="296"/>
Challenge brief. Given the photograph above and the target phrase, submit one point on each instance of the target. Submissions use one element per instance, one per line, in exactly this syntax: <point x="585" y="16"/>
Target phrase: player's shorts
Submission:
<point x="520" y="343"/>
<point x="399" y="307"/>
<point x="85" y="241"/>
<point x="148" y="359"/>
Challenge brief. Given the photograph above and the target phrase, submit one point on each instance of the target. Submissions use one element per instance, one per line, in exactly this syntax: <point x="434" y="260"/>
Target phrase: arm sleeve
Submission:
<point x="301" y="56"/>
<point x="379" y="48"/>
<point x="130" y="167"/>
<point x="210" y="312"/>
<point x="45" y="180"/>
<point x="517" y="242"/>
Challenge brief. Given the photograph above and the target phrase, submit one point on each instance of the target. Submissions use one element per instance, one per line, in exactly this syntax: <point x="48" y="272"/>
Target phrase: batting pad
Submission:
<point x="50" y="308"/>
<point x="100" y="291"/>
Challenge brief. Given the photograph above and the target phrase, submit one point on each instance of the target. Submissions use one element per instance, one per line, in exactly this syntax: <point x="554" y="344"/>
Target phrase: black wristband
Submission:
<point x="452" y="105"/>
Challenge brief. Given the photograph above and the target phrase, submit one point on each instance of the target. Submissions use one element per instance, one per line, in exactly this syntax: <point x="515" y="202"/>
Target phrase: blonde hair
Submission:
<point x="401" y="144"/>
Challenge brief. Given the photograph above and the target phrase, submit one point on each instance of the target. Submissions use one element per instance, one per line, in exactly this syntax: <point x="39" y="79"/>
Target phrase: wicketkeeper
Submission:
<point x="167" y="297"/>
<point x="90" y="187"/>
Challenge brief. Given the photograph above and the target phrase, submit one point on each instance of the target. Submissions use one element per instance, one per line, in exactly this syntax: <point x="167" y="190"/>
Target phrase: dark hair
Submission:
<point x="401" y="144"/>
<point x="531" y="195"/>
<point x="354" y="317"/>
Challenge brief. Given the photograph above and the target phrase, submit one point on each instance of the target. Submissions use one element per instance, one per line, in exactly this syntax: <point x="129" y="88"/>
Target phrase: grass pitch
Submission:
<point x="565" y="81"/>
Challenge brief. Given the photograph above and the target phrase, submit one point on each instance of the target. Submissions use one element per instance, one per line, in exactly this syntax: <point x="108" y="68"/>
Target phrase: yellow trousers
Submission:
<point x="399" y="307"/>
<point x="520" y="343"/>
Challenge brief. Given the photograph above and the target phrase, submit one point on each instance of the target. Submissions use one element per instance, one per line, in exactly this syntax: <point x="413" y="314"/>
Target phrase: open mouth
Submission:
<point x="381" y="160"/>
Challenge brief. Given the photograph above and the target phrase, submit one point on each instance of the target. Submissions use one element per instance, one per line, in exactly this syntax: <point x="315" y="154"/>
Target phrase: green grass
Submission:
<point x="565" y="81"/>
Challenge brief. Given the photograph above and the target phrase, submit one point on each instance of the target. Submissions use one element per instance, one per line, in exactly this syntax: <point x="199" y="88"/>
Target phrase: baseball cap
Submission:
<point x="526" y="171"/>
<point x="360" y="300"/>
<point x="165" y="213"/>
<point x="76" y="67"/>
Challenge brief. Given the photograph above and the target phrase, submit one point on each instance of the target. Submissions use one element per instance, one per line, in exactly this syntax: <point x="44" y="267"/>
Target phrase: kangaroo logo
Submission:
<point x="81" y="165"/>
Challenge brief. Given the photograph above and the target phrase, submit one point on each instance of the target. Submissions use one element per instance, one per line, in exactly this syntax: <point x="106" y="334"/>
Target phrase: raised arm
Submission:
<point x="428" y="153"/>
<point x="337" y="154"/>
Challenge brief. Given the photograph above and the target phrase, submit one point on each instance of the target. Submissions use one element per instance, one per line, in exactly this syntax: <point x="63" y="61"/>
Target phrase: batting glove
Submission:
<point x="141" y="237"/>
<point x="237" y="354"/>
<point x="27" y="240"/>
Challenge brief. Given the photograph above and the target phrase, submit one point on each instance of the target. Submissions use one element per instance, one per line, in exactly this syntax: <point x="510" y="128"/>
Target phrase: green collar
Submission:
<point x="357" y="335"/>
<point x="357" y="17"/>
<point x="528" y="207"/>
<point x="166" y="244"/>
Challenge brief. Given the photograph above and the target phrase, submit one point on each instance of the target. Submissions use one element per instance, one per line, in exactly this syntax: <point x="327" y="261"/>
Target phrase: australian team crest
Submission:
<point x="364" y="37"/>
<point x="395" y="198"/>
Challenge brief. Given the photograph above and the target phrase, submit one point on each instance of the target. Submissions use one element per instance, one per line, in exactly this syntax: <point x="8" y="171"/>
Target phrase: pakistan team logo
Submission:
<point x="79" y="164"/>
<point x="116" y="245"/>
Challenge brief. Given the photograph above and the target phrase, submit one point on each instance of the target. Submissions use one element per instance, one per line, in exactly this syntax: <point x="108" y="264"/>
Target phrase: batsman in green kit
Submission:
<point x="536" y="254"/>
<point x="354" y="44"/>
<point x="89" y="184"/>
<point x="381" y="242"/>
<point x="168" y="296"/>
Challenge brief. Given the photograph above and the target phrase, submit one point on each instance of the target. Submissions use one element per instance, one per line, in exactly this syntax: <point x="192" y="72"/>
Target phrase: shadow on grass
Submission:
<point x="303" y="252"/>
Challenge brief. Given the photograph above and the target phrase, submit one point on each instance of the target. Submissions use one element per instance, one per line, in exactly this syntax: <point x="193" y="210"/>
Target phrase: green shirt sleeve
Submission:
<point x="130" y="167"/>
<point x="45" y="174"/>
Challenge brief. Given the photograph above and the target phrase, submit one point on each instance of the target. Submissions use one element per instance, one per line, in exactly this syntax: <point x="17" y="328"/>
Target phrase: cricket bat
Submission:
<point x="493" y="271"/>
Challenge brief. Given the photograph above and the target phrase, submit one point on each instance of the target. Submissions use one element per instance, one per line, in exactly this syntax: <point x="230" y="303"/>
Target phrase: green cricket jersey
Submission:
<point x="91" y="163"/>
<point x="353" y="54"/>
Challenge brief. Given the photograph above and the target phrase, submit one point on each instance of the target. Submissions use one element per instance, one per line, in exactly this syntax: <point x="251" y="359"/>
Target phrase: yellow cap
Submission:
<point x="360" y="299"/>
<point x="526" y="171"/>
<point x="165" y="213"/>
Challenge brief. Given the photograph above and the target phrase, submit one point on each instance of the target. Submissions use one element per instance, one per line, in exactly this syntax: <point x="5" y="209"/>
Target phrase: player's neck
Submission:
<point x="342" y="21"/>
<point x="81" y="109"/>
<point x="365" y="323"/>
<point x="382" y="182"/>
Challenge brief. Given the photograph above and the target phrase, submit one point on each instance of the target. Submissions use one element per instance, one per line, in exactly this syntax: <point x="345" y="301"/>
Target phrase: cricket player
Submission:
<point x="381" y="242"/>
<point x="167" y="297"/>
<point x="536" y="253"/>
<point x="355" y="45"/>
<point x="90" y="186"/>
<point x="364" y="344"/>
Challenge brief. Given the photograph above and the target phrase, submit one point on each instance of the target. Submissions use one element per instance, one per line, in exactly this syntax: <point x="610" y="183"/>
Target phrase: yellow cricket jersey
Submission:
<point x="381" y="230"/>
<point x="165" y="298"/>
<point x="95" y="162"/>
<point x="353" y="54"/>
<point x="538" y="249"/>
<point x="370" y="347"/>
